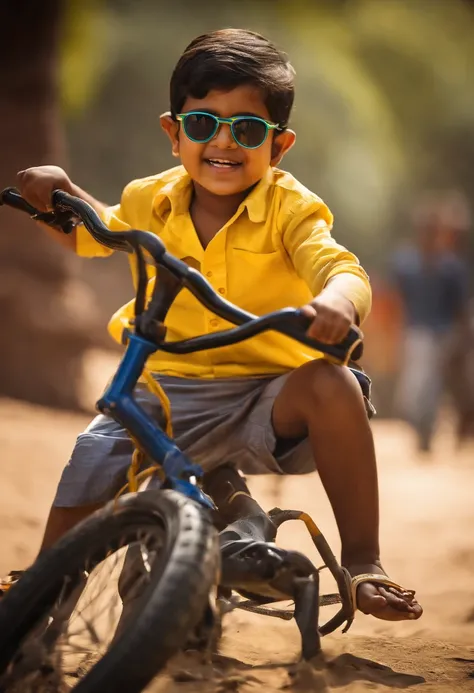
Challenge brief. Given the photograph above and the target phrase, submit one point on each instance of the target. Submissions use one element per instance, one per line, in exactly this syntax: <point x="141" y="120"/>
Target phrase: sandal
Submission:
<point x="376" y="579"/>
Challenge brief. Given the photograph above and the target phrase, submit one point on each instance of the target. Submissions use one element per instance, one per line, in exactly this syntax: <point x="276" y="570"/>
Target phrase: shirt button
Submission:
<point x="222" y="290"/>
<point x="209" y="274"/>
<point x="214" y="322"/>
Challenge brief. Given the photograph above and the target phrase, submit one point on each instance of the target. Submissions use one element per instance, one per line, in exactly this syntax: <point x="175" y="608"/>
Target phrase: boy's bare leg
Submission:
<point x="325" y="402"/>
<point x="61" y="520"/>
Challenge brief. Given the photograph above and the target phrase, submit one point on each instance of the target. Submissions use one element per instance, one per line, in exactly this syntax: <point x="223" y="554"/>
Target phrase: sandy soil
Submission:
<point x="428" y="545"/>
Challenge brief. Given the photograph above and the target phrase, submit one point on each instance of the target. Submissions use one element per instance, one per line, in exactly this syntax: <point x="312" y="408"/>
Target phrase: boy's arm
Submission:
<point x="340" y="286"/>
<point x="354" y="290"/>
<point x="324" y="264"/>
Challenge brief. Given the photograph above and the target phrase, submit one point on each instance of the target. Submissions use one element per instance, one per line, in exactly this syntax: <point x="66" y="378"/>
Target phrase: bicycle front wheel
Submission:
<point x="58" y="624"/>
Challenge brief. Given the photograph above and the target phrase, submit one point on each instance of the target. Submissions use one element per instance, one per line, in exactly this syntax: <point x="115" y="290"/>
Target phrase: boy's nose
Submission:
<point x="223" y="137"/>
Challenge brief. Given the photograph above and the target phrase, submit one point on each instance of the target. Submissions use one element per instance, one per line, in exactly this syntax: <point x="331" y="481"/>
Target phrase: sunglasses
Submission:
<point x="249" y="132"/>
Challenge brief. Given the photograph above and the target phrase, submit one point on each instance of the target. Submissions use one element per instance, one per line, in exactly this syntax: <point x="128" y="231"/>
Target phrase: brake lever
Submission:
<point x="61" y="221"/>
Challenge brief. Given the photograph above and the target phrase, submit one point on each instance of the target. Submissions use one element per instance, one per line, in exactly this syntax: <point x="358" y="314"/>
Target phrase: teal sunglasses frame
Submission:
<point x="181" y="117"/>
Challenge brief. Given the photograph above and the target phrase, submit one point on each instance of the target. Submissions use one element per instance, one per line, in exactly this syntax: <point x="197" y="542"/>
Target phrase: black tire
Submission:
<point x="169" y="608"/>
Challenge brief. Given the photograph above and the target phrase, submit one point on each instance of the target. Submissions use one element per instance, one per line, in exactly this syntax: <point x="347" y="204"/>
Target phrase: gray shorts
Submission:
<point x="226" y="420"/>
<point x="214" y="421"/>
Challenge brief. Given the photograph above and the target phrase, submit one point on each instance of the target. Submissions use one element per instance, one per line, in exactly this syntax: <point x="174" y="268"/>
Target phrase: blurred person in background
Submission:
<point x="461" y="380"/>
<point x="460" y="362"/>
<point x="432" y="280"/>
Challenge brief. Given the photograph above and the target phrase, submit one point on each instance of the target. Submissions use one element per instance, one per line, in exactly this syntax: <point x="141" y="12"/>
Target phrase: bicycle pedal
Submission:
<point x="261" y="571"/>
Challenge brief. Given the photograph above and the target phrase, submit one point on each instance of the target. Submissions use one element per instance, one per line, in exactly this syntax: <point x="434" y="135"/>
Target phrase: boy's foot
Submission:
<point x="386" y="602"/>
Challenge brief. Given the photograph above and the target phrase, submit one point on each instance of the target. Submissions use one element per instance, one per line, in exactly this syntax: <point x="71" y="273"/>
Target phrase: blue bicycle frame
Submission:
<point x="118" y="402"/>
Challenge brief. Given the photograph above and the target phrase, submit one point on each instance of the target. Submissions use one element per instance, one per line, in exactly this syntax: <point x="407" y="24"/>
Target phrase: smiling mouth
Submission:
<point x="223" y="163"/>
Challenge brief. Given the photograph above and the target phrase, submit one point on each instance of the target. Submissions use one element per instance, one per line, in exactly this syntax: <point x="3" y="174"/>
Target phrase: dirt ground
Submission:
<point x="427" y="544"/>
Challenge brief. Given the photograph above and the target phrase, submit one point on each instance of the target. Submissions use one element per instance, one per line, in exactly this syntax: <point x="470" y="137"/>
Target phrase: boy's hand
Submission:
<point x="333" y="314"/>
<point x="37" y="184"/>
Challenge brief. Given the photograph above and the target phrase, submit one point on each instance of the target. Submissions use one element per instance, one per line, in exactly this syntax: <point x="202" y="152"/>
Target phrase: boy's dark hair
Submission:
<point x="228" y="58"/>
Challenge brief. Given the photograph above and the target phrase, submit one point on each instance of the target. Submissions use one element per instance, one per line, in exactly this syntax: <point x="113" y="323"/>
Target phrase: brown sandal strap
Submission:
<point x="377" y="579"/>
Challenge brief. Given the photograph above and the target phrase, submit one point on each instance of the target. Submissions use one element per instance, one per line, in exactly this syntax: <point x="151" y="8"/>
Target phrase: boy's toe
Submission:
<point x="384" y="601"/>
<point x="384" y="604"/>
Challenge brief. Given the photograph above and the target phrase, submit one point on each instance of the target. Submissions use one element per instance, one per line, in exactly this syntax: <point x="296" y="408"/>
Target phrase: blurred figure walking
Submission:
<point x="432" y="280"/>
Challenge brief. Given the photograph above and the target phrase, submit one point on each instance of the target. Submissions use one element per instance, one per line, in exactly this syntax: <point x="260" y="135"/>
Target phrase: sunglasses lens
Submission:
<point x="249" y="132"/>
<point x="200" y="127"/>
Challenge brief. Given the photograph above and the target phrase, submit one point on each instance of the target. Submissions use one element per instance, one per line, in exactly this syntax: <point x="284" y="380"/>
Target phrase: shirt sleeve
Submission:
<point x="317" y="257"/>
<point x="115" y="218"/>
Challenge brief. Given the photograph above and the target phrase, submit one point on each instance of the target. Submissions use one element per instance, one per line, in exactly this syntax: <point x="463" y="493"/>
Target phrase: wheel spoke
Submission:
<point x="81" y="624"/>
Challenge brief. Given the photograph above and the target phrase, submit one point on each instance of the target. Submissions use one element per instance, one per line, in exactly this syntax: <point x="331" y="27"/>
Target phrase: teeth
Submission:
<point x="223" y="162"/>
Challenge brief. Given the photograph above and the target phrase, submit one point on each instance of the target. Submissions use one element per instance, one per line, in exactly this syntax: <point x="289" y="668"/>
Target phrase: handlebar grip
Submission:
<point x="350" y="349"/>
<point x="58" y="220"/>
<point x="12" y="198"/>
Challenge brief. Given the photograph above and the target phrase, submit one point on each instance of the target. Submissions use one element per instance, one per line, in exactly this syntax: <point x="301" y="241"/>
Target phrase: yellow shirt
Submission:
<point x="276" y="251"/>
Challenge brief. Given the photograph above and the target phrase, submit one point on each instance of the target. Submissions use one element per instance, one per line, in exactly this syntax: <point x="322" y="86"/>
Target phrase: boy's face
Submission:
<point x="201" y="160"/>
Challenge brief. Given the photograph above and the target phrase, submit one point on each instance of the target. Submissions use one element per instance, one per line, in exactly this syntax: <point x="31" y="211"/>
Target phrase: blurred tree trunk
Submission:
<point x="44" y="308"/>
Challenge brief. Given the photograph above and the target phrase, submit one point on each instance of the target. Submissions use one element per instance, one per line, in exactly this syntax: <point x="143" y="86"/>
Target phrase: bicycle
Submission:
<point x="167" y="535"/>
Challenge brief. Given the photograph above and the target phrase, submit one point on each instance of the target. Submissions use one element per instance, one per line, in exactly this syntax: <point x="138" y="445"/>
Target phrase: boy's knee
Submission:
<point x="324" y="383"/>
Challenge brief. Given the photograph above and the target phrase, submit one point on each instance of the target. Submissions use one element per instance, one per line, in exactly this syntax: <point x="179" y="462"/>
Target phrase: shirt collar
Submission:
<point x="176" y="196"/>
<point x="256" y="201"/>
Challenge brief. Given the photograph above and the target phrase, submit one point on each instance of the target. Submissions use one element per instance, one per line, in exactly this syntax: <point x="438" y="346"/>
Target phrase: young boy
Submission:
<point x="264" y="242"/>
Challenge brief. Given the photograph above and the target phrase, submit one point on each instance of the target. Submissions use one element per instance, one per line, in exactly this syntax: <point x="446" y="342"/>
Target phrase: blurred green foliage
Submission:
<point x="384" y="106"/>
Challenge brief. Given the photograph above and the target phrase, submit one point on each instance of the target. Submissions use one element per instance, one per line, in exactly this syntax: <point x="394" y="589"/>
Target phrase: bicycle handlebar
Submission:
<point x="289" y="321"/>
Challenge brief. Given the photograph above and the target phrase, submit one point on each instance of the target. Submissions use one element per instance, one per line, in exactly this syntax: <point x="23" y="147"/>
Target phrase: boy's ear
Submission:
<point x="282" y="143"/>
<point x="171" y="127"/>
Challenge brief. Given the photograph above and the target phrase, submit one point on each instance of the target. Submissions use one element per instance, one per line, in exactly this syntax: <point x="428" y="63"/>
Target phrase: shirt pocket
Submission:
<point x="263" y="282"/>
